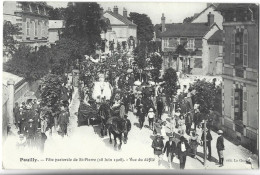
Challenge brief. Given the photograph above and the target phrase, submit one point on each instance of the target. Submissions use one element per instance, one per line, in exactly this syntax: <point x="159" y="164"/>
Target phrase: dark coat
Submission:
<point x="132" y="99"/>
<point x="220" y="143"/>
<point x="160" y="106"/>
<point x="160" y="145"/>
<point x="208" y="137"/>
<point x="169" y="148"/>
<point x="179" y="152"/>
<point x="63" y="118"/>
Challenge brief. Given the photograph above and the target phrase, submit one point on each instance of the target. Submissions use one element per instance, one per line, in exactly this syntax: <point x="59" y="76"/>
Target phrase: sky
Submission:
<point x="174" y="12"/>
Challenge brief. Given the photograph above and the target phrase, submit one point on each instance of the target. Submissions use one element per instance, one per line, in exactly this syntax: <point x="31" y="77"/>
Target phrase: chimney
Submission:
<point x="115" y="9"/>
<point x="125" y="13"/>
<point x="210" y="19"/>
<point x="163" y="22"/>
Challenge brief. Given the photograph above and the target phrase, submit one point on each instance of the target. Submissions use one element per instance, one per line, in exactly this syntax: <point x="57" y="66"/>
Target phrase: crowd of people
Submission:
<point x="33" y="118"/>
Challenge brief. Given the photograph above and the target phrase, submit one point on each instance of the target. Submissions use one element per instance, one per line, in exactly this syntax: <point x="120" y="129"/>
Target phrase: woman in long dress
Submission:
<point x="181" y="123"/>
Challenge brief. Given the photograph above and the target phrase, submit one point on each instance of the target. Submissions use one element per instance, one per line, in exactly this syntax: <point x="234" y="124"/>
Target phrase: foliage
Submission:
<point x="111" y="45"/>
<point x="207" y="95"/>
<point x="57" y="14"/>
<point x="170" y="78"/>
<point x="84" y="24"/>
<point x="51" y="91"/>
<point x="140" y="55"/>
<point x="144" y="26"/>
<point x="28" y="64"/>
<point x="155" y="74"/>
<point x="188" y="19"/>
<point x="9" y="31"/>
<point x="180" y="50"/>
<point x="156" y="61"/>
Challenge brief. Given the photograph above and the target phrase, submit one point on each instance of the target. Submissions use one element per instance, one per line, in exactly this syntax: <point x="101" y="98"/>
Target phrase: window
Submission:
<point x="43" y="26"/>
<point x="245" y="49"/>
<point x="33" y="28"/>
<point x="36" y="28"/>
<point x="28" y="28"/>
<point x="191" y="43"/>
<point x="165" y="42"/>
<point x="232" y="57"/>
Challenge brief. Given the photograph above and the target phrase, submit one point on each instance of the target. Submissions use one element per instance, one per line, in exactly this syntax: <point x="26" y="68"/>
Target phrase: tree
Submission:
<point x="140" y="55"/>
<point x="206" y="95"/>
<point x="84" y="24"/>
<point x="156" y="61"/>
<point x="188" y="19"/>
<point x="170" y="77"/>
<point x="57" y="14"/>
<point x="9" y="32"/>
<point x="144" y="26"/>
<point x="30" y="65"/>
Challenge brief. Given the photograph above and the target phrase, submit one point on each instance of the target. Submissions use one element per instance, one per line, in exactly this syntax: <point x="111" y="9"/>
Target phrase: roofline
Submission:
<point x="203" y="11"/>
<point x="133" y="25"/>
<point x="112" y="13"/>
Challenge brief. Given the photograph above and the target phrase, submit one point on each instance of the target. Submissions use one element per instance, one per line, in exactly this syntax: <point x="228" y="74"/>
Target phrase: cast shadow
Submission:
<point x="137" y="125"/>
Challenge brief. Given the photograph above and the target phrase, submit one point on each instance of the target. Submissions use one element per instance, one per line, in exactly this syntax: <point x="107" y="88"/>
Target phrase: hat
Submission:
<point x="182" y="138"/>
<point x="21" y="136"/>
<point x="141" y="104"/>
<point x="31" y="120"/>
<point x="151" y="110"/>
<point x="220" y="132"/>
<point x="158" y="135"/>
<point x="171" y="136"/>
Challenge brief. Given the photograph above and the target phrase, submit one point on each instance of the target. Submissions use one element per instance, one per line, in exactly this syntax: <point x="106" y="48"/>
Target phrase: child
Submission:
<point x="181" y="123"/>
<point x="151" y="118"/>
<point x="172" y="124"/>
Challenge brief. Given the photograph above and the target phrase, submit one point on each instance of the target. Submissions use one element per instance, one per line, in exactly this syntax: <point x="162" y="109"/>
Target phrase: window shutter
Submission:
<point x="233" y="101"/>
<point x="36" y="28"/>
<point x="245" y="105"/>
<point x="245" y="48"/>
<point x="232" y="56"/>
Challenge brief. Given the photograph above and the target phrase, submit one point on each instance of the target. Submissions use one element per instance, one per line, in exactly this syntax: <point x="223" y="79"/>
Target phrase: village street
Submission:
<point x="97" y="153"/>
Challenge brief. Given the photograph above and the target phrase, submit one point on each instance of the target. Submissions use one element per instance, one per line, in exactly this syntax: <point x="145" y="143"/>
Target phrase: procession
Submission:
<point x="116" y="91"/>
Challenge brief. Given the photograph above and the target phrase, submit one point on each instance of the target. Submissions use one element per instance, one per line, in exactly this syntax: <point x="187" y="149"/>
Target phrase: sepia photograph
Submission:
<point x="130" y="85"/>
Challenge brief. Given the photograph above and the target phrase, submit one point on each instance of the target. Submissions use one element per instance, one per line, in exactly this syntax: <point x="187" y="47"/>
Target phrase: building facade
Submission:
<point x="32" y="18"/>
<point x="122" y="30"/>
<point x="194" y="39"/>
<point x="240" y="72"/>
<point x="56" y="28"/>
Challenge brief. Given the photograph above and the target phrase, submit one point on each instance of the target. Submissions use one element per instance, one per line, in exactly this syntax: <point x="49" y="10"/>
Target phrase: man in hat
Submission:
<point x="170" y="149"/>
<point x="132" y="100"/>
<point x="158" y="145"/>
<point x="160" y="107"/>
<point x="141" y="116"/>
<point x="220" y="148"/>
<point x="208" y="142"/>
<point x="188" y="123"/>
<point x="63" y="121"/>
<point x="182" y="150"/>
<point x="197" y="119"/>
<point x="30" y="131"/>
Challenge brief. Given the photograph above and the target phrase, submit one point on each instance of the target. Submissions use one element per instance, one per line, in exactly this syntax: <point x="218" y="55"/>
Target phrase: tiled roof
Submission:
<point x="186" y="30"/>
<point x="121" y="18"/>
<point x="217" y="36"/>
<point x="230" y="6"/>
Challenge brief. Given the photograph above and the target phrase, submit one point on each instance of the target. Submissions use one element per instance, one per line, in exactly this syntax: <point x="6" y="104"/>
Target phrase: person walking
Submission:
<point x="208" y="142"/>
<point x="151" y="118"/>
<point x="194" y="142"/>
<point x="220" y="148"/>
<point x="141" y="116"/>
<point x="160" y="107"/>
<point x="182" y="150"/>
<point x="132" y="100"/>
<point x="172" y="124"/>
<point x="188" y="123"/>
<point x="170" y="149"/>
<point x="181" y="124"/>
<point x="63" y="121"/>
<point x="30" y="131"/>
<point x="196" y="119"/>
<point x="158" y="146"/>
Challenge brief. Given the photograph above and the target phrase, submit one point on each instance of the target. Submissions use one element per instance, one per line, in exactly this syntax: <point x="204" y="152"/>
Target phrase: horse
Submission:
<point x="104" y="113"/>
<point x="118" y="126"/>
